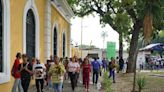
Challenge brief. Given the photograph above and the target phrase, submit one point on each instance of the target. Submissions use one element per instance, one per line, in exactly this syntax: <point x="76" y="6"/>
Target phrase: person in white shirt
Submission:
<point x="73" y="69"/>
<point x="157" y="64"/>
<point x="141" y="64"/>
<point x="39" y="72"/>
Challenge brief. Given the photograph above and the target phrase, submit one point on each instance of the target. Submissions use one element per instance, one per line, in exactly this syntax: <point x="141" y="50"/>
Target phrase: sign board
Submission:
<point x="111" y="49"/>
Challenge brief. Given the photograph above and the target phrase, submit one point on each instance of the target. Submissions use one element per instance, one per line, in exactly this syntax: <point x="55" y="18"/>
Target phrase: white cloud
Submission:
<point x="92" y="31"/>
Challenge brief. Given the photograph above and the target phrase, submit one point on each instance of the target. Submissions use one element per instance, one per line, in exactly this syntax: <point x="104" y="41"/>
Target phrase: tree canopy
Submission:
<point x="127" y="17"/>
<point x="122" y="14"/>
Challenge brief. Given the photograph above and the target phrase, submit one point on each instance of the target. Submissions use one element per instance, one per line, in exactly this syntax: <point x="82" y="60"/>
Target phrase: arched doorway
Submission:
<point x="30" y="34"/>
<point x="55" y="42"/>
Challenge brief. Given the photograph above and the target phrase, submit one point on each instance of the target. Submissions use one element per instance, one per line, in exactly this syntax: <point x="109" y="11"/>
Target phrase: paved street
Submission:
<point x="67" y="87"/>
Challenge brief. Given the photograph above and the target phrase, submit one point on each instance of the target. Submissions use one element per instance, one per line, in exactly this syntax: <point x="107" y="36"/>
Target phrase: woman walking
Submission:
<point x="77" y="72"/>
<point x="16" y="74"/>
<point x="56" y="72"/>
<point x="112" y="68"/>
<point x="73" y="69"/>
<point x="86" y="73"/>
<point x="26" y="73"/>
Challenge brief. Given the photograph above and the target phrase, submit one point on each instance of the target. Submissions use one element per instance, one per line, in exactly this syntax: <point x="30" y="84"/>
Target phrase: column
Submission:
<point x="47" y="33"/>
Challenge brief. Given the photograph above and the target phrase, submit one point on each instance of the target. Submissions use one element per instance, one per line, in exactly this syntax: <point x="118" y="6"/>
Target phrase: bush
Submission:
<point x="141" y="82"/>
<point x="107" y="83"/>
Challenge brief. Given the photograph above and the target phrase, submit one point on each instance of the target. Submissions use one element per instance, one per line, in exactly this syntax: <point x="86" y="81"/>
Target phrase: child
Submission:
<point x="86" y="73"/>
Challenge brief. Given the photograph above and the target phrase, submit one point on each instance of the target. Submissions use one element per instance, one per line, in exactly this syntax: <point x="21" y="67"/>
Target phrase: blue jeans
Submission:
<point x="50" y="83"/>
<point x="112" y="74"/>
<point x="58" y="86"/>
<point x="17" y="83"/>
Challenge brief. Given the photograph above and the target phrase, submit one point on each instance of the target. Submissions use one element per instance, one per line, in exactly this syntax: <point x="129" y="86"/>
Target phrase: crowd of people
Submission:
<point x="153" y="63"/>
<point x="56" y="70"/>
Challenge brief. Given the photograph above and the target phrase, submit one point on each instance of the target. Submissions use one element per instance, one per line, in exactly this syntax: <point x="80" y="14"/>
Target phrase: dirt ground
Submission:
<point x="154" y="82"/>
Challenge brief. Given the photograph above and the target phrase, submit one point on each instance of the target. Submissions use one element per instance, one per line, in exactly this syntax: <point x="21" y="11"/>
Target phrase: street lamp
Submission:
<point x="82" y="34"/>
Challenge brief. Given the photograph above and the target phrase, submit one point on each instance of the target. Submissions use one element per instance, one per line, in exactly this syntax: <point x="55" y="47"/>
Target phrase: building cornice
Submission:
<point x="63" y="8"/>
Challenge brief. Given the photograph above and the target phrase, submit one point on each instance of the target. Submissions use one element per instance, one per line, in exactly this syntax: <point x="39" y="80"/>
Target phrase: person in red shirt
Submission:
<point x="86" y="73"/>
<point x="16" y="74"/>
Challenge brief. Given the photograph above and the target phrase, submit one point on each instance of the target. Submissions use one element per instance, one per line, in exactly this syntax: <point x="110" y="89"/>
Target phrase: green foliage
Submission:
<point x="86" y="46"/>
<point x="141" y="82"/>
<point x="121" y="14"/>
<point x="161" y="33"/>
<point x="158" y="37"/>
<point x="107" y="83"/>
<point x="124" y="16"/>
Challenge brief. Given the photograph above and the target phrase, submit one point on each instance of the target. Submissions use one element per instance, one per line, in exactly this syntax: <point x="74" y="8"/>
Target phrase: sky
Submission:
<point x="92" y="30"/>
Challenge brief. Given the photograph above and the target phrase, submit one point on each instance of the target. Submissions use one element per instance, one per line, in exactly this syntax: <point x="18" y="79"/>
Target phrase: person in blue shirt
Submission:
<point x="104" y="61"/>
<point x="100" y="62"/>
<point x="96" y="69"/>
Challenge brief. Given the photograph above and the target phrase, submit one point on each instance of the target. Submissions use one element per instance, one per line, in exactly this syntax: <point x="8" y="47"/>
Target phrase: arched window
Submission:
<point x="64" y="45"/>
<point x="1" y="37"/>
<point x="30" y="34"/>
<point x="55" y="41"/>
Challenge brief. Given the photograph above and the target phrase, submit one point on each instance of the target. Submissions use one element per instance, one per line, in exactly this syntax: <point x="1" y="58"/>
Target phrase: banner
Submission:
<point x="111" y="50"/>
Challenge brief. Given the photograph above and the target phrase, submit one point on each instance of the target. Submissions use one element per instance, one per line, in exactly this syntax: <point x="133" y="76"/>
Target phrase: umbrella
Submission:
<point x="154" y="47"/>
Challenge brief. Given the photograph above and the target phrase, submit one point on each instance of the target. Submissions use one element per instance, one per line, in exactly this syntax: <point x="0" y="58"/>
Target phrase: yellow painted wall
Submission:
<point x="63" y="25"/>
<point x="75" y="51"/>
<point x="16" y="31"/>
<point x="41" y="4"/>
<point x="16" y="26"/>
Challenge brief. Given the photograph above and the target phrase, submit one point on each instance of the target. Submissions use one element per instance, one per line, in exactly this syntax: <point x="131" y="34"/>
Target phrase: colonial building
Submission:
<point x="39" y="28"/>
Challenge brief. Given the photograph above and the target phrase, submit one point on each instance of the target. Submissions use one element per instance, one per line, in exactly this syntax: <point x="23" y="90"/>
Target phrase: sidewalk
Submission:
<point x="67" y="87"/>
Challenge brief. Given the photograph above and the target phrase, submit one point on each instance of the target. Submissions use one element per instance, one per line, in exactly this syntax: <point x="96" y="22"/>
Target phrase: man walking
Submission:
<point x="104" y="61"/>
<point x="39" y="70"/>
<point x="96" y="69"/>
<point x="121" y="64"/>
<point x="112" y="66"/>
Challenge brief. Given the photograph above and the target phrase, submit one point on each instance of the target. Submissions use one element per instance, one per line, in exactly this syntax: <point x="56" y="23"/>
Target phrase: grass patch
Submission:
<point x="107" y="83"/>
<point x="153" y="81"/>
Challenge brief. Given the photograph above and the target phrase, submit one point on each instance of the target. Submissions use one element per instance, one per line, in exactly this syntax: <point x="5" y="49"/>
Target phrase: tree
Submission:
<point x="139" y="14"/>
<point x="104" y="34"/>
<point x="108" y="15"/>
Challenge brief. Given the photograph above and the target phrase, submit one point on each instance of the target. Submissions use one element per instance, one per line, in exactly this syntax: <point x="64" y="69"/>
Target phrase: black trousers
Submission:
<point x="25" y="83"/>
<point x="73" y="78"/>
<point x="95" y="73"/>
<point x="100" y="72"/>
<point x="39" y="87"/>
<point x="77" y="77"/>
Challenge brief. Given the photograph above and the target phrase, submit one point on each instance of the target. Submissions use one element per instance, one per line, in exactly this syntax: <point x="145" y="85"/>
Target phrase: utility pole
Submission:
<point x="81" y="35"/>
<point x="89" y="46"/>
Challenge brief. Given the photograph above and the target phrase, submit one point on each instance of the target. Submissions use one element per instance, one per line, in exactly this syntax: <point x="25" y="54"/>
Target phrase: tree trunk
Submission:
<point x="139" y="90"/>
<point x="134" y="77"/>
<point x="120" y="45"/>
<point x="133" y="47"/>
